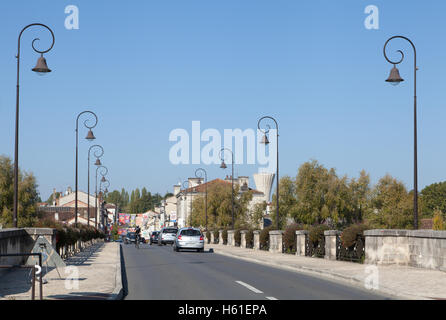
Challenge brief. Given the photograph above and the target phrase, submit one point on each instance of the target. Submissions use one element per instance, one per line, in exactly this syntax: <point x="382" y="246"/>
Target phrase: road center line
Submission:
<point x="249" y="287"/>
<point x="271" y="298"/>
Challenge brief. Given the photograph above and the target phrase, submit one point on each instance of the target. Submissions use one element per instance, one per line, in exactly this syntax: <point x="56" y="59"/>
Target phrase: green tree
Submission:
<point x="287" y="202"/>
<point x="27" y="200"/>
<point x="392" y="205"/>
<point x="433" y="197"/>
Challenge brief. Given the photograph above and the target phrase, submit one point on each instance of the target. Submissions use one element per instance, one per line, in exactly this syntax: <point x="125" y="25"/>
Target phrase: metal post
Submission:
<point x="415" y="167"/>
<point x="88" y="179"/>
<point x="16" y="144"/>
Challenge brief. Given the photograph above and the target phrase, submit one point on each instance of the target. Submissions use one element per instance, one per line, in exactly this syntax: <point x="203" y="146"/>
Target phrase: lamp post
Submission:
<point x="395" y="79"/>
<point x="199" y="174"/>
<point x="97" y="163"/>
<point x="40" y="68"/>
<point x="103" y="210"/>
<point x="96" y="192"/>
<point x="223" y="166"/>
<point x="266" y="142"/>
<point x="90" y="137"/>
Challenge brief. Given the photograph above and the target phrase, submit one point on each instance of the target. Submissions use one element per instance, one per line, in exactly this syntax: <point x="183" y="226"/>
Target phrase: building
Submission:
<point x="197" y="189"/>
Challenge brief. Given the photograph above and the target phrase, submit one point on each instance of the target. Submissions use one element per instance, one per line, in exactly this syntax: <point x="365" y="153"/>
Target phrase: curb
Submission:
<point x="325" y="274"/>
<point x="118" y="292"/>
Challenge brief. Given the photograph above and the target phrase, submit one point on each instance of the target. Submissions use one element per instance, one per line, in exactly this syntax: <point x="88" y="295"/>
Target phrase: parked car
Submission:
<point x="189" y="238"/>
<point x="154" y="237"/>
<point x="130" y="238"/>
<point x="167" y="235"/>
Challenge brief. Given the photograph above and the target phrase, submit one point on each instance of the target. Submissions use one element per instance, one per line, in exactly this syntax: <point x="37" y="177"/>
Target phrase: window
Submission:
<point x="191" y="233"/>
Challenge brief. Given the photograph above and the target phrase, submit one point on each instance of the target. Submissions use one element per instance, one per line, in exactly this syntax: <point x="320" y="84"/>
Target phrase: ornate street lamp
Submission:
<point x="97" y="163"/>
<point x="103" y="173"/>
<point x="395" y="79"/>
<point x="90" y="137"/>
<point x="40" y="68"/>
<point x="223" y="166"/>
<point x="104" y="192"/>
<point x="265" y="141"/>
<point x="199" y="174"/>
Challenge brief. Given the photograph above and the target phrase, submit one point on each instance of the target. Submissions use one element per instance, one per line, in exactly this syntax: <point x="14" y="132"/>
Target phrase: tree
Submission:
<point x="392" y="205"/>
<point x="287" y="202"/>
<point x="28" y="196"/>
<point x="438" y="221"/>
<point x="433" y="197"/>
<point x="51" y="198"/>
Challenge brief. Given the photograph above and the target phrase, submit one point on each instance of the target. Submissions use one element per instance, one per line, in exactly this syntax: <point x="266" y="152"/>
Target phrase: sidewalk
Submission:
<point x="399" y="281"/>
<point x="98" y="270"/>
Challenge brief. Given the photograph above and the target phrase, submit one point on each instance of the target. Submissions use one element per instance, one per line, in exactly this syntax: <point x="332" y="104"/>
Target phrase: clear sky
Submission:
<point x="148" y="67"/>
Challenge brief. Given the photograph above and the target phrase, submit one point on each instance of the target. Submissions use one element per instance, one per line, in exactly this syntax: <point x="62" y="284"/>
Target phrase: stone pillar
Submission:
<point x="256" y="240"/>
<point x="301" y="238"/>
<point x="212" y="237"/>
<point x="275" y="241"/>
<point x="243" y="238"/>
<point x="220" y="236"/>
<point x="231" y="241"/>
<point x="331" y="244"/>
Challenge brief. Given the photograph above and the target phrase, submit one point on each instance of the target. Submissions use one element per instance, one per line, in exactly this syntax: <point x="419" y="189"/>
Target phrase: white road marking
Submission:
<point x="249" y="287"/>
<point x="271" y="298"/>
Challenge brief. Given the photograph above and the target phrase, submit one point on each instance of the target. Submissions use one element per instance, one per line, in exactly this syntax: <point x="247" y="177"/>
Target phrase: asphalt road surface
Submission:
<point x="157" y="272"/>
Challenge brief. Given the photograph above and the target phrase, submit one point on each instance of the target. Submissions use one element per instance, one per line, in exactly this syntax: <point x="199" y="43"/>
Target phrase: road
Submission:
<point x="157" y="272"/>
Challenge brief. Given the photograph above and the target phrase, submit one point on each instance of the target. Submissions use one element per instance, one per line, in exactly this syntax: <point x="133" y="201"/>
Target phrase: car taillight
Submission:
<point x="179" y="237"/>
<point x="201" y="238"/>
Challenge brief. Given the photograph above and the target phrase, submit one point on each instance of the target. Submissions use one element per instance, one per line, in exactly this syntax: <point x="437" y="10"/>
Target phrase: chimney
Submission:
<point x="176" y="189"/>
<point x="54" y="197"/>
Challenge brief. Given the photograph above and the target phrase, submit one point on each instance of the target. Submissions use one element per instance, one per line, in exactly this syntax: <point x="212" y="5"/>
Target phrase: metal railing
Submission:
<point x="33" y="292"/>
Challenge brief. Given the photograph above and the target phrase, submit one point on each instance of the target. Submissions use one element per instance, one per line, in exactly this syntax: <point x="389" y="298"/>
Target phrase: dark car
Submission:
<point x="154" y="237"/>
<point x="130" y="238"/>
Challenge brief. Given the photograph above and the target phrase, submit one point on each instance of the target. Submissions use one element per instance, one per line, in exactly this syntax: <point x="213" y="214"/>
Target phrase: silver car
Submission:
<point x="189" y="238"/>
<point x="167" y="235"/>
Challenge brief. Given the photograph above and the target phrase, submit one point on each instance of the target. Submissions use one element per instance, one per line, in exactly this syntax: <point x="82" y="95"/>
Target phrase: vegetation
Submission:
<point x="438" y="220"/>
<point x="28" y="196"/>
<point x="249" y="238"/>
<point x="351" y="234"/>
<point x="237" y="237"/>
<point x="264" y="238"/>
<point x="137" y="202"/>
<point x="289" y="237"/>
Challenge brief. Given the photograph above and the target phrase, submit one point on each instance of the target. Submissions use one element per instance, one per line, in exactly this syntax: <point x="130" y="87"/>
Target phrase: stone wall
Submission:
<point x="22" y="241"/>
<point x="275" y="241"/>
<point x="416" y="248"/>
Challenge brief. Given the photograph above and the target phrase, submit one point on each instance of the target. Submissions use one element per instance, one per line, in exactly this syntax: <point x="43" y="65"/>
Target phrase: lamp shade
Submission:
<point x="394" y="77"/>
<point x="41" y="66"/>
<point x="90" y="136"/>
<point x="264" y="140"/>
<point x="98" y="162"/>
<point x="223" y="165"/>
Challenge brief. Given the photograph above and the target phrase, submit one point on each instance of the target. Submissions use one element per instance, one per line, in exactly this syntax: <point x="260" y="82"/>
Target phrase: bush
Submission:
<point x="216" y="236"/>
<point x="350" y="234"/>
<point x="438" y="222"/>
<point x="237" y="237"/>
<point x="289" y="237"/>
<point x="208" y="236"/>
<point x="225" y="236"/>
<point x="264" y="238"/>
<point x="316" y="233"/>
<point x="249" y="237"/>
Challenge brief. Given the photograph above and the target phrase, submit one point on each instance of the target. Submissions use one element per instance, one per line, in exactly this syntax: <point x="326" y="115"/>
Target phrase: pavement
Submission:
<point x="93" y="274"/>
<point x="401" y="282"/>
<point x="157" y="272"/>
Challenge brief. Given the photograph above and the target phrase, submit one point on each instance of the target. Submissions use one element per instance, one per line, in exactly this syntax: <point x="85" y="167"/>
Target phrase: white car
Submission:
<point x="189" y="238"/>
<point x="167" y="235"/>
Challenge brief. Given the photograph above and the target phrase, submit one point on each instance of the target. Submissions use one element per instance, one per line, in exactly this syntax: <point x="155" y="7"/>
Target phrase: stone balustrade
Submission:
<point x="256" y="240"/>
<point x="231" y="241"/>
<point x="243" y="238"/>
<point x="220" y="236"/>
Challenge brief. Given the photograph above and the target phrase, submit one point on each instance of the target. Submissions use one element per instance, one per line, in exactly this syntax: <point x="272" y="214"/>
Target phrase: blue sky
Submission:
<point x="148" y="67"/>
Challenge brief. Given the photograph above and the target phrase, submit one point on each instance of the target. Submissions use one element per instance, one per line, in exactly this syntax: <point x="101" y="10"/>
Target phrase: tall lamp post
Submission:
<point x="199" y="174"/>
<point x="40" y="68"/>
<point x="104" y="192"/>
<point x="97" y="163"/>
<point x="103" y="173"/>
<point x="395" y="79"/>
<point x="90" y="137"/>
<point x="223" y="166"/>
<point x="266" y="142"/>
